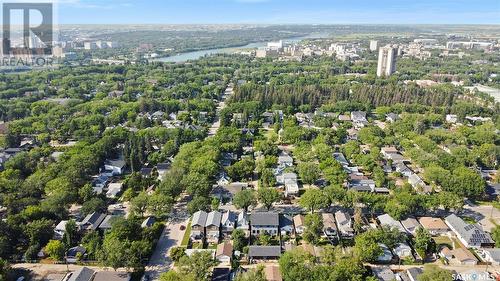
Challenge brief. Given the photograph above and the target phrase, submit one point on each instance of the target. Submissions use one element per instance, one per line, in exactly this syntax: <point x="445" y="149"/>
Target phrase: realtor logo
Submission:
<point x="36" y="40"/>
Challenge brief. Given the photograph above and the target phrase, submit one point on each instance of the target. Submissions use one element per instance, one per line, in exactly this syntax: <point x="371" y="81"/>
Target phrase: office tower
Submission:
<point x="386" y="61"/>
<point x="373" y="45"/>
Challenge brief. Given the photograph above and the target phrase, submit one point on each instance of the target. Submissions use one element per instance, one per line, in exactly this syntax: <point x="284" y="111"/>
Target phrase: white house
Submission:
<point x="402" y="250"/>
<point x="298" y="221"/>
<point x="114" y="189"/>
<point x="224" y="252"/>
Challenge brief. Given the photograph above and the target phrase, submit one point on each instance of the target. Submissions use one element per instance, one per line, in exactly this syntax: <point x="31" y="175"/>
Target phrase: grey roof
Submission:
<point x="82" y="274"/>
<point x="229" y="216"/>
<point x="93" y="220"/>
<point x="213" y="218"/>
<point x="73" y="252"/>
<point x="387" y="220"/>
<point x="148" y="222"/>
<point x="410" y="223"/>
<point x="285" y="220"/>
<point x="108" y="220"/>
<point x="383" y="273"/>
<point x="264" y="218"/>
<point x="414" y="272"/>
<point x="494" y="253"/>
<point x="472" y="233"/>
<point x="199" y="218"/>
<point x="163" y="166"/>
<point x="111" y="276"/>
<point x="264" y="251"/>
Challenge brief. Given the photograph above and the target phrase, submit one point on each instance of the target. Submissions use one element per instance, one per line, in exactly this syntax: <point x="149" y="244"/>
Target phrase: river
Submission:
<point x="198" y="54"/>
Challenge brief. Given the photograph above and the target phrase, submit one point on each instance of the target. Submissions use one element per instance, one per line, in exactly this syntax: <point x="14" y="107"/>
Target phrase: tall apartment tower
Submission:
<point x="386" y="61"/>
<point x="373" y="45"/>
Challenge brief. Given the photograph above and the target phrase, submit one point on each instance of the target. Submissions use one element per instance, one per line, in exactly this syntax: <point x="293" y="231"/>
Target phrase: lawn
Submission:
<point x="187" y="235"/>
<point x="443" y="240"/>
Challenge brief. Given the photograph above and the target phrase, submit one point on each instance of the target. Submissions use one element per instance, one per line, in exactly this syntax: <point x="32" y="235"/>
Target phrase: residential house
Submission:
<point x="264" y="222"/>
<point x="329" y="227"/>
<point x="361" y="183"/>
<point x="344" y="223"/>
<point x="162" y="169"/>
<point x="285" y="160"/>
<point x="403" y="169"/>
<point x="60" y="229"/>
<point x="81" y="274"/>
<point x="383" y="273"/>
<point x="463" y="257"/>
<point x="341" y="159"/>
<point x="243" y="223"/>
<point x="264" y="252"/>
<point x="402" y="250"/>
<point x="75" y="254"/>
<point x="198" y="222"/>
<point x="413" y="273"/>
<point x="411" y="225"/>
<point x="148" y="222"/>
<point x="114" y="189"/>
<point x="387" y="221"/>
<point x="298" y="221"/>
<point x="228" y="222"/>
<point x="435" y="226"/>
<point x="221" y="274"/>
<point x="386" y="255"/>
<point x="359" y="119"/>
<point x="291" y="185"/>
<point x="146" y="171"/>
<point x="491" y="255"/>
<point x="112" y="276"/>
<point x="286" y="225"/>
<point x="227" y="192"/>
<point x="392" y="117"/>
<point x="272" y="273"/>
<point x="107" y="222"/>
<point x="115" y="166"/>
<point x="451" y="118"/>
<point x="91" y="221"/>
<point x="224" y="253"/>
<point x="418" y="184"/>
<point x="213" y="226"/>
<point x="471" y="235"/>
<point x="223" y="179"/>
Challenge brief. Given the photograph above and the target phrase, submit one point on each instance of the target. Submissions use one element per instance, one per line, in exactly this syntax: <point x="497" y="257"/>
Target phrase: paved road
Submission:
<point x="171" y="237"/>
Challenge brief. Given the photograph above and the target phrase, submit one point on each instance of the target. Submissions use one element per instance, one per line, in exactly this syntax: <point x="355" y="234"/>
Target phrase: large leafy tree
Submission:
<point x="244" y="199"/>
<point x="198" y="265"/>
<point x="314" y="199"/>
<point x="268" y="196"/>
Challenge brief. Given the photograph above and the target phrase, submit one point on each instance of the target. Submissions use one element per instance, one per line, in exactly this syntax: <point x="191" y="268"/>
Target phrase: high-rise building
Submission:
<point x="386" y="61"/>
<point x="373" y="45"/>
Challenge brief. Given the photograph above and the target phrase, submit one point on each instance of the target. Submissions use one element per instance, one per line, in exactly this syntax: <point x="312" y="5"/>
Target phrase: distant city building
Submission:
<point x="386" y="61"/>
<point x="275" y="45"/>
<point x="90" y="45"/>
<point x="373" y="45"/>
<point x="468" y="45"/>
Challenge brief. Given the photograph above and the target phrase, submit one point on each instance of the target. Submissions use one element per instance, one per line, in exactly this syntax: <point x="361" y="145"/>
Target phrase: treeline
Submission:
<point x="317" y="95"/>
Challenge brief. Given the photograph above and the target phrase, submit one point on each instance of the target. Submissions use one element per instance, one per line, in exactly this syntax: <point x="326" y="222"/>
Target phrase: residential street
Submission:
<point x="171" y="237"/>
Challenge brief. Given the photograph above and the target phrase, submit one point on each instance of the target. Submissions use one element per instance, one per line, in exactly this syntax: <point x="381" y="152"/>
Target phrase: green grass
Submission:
<point x="187" y="235"/>
<point x="443" y="240"/>
<point x="469" y="220"/>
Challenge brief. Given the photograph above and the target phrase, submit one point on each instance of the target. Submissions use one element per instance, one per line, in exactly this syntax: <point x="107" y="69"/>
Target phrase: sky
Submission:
<point x="277" y="11"/>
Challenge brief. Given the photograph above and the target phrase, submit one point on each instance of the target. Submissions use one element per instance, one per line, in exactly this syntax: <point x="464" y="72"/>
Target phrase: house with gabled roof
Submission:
<point x="213" y="226"/>
<point x="344" y="223"/>
<point x="471" y="235"/>
<point x="386" y="220"/>
<point x="228" y="221"/>
<point x="198" y="222"/>
<point x="91" y="221"/>
<point x="264" y="222"/>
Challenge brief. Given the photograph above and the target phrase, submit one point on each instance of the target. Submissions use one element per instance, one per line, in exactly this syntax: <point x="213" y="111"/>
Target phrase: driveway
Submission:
<point x="171" y="237"/>
<point x="485" y="215"/>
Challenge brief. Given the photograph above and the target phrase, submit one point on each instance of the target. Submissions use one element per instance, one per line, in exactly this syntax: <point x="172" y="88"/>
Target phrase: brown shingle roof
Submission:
<point x="432" y="223"/>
